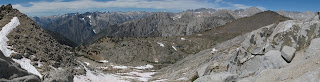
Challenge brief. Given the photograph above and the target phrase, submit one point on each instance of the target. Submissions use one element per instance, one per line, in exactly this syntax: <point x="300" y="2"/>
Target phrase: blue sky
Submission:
<point x="58" y="7"/>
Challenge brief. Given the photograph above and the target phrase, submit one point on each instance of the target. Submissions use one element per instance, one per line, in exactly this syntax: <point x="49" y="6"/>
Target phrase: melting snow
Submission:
<point x="174" y="48"/>
<point x="148" y="66"/>
<point x="103" y="61"/>
<point x="214" y="50"/>
<point x="102" y="67"/>
<point x="92" y="76"/>
<point x="82" y="19"/>
<point x="176" y="17"/>
<point x="90" y="19"/>
<point x="161" y="44"/>
<point x="25" y="64"/>
<point x="143" y="76"/>
<point x="3" y="36"/>
<point x="94" y="31"/>
<point x="87" y="63"/>
<point x="120" y="67"/>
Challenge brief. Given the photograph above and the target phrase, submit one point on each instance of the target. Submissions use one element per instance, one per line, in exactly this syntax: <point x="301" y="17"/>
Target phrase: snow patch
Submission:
<point x="93" y="76"/>
<point x="102" y="67"/>
<point x="214" y="50"/>
<point x="94" y="31"/>
<point x="103" y="61"/>
<point x="174" y="48"/>
<point x="120" y="67"/>
<point x="143" y="76"/>
<point x="82" y="19"/>
<point x="87" y="63"/>
<point x="90" y="19"/>
<point x="148" y="66"/>
<point x="176" y="17"/>
<point x="161" y="44"/>
<point x="25" y="64"/>
<point x="3" y="36"/>
<point x="39" y="64"/>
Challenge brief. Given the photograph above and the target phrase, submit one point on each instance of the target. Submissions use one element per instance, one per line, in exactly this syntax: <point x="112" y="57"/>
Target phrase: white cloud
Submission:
<point x="60" y="5"/>
<point x="240" y="6"/>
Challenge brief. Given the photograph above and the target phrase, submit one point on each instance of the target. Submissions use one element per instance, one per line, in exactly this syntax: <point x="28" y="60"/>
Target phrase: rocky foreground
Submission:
<point x="285" y="51"/>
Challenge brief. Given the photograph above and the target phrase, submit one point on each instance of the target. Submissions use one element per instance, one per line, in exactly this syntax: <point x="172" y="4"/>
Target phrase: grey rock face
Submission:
<point x="258" y="56"/>
<point x="288" y="53"/>
<point x="61" y="75"/>
<point x="273" y="59"/>
<point x="313" y="49"/>
<point x="219" y="77"/>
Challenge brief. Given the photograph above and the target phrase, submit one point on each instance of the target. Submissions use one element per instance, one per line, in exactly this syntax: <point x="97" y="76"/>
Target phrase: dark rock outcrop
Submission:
<point x="13" y="72"/>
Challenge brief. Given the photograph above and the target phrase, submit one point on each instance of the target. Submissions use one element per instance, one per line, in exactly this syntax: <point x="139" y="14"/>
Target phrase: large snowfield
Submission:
<point x="24" y="62"/>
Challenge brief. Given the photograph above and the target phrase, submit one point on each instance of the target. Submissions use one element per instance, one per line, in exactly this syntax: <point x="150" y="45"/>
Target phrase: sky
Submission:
<point x="59" y="7"/>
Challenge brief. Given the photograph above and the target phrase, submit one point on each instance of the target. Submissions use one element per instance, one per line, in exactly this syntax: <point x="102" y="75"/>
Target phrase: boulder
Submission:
<point x="16" y="56"/>
<point x="288" y="53"/>
<point x="272" y="60"/>
<point x="60" y="75"/>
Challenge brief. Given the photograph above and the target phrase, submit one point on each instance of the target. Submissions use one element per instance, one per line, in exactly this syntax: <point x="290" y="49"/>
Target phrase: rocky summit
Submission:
<point x="196" y="45"/>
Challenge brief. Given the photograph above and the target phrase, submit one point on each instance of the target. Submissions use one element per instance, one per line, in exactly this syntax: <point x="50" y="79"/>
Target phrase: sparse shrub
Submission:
<point x="194" y="77"/>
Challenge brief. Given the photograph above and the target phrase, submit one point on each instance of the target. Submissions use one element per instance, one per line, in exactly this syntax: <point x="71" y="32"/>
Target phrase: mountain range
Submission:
<point x="201" y="45"/>
<point x="88" y="27"/>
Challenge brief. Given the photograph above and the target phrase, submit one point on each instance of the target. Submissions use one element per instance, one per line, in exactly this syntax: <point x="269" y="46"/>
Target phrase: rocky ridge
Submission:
<point x="32" y="47"/>
<point x="165" y="24"/>
<point x="260" y="55"/>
